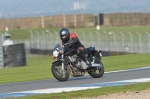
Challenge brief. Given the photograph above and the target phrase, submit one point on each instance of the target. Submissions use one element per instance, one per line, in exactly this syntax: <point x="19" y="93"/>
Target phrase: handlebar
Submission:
<point x="69" y="51"/>
<point x="66" y="44"/>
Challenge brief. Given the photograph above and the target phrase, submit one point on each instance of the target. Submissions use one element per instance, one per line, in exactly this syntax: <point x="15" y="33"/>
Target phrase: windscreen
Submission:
<point x="57" y="47"/>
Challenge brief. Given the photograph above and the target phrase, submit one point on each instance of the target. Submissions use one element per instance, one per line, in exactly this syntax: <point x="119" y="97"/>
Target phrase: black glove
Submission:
<point x="66" y="45"/>
<point x="71" y="42"/>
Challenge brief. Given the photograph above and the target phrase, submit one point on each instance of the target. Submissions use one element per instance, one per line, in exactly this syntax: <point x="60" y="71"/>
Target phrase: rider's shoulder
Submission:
<point x="72" y="34"/>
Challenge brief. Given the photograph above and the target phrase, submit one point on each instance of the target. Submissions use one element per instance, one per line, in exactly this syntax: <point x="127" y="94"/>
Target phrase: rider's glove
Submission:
<point x="71" y="42"/>
<point x="66" y="45"/>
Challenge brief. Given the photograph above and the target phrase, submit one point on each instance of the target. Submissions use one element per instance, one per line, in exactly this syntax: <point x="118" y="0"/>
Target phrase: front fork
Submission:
<point x="62" y="64"/>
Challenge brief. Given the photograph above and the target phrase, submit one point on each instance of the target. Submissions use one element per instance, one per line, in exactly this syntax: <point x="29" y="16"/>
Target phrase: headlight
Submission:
<point x="55" y="53"/>
<point x="101" y="54"/>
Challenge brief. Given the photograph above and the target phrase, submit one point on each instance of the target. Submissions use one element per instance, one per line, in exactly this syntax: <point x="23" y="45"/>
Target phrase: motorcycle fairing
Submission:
<point x="90" y="49"/>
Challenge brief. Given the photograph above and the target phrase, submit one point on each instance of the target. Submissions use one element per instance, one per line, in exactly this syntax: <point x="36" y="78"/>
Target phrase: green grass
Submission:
<point x="37" y="68"/>
<point x="40" y="67"/>
<point x="126" y="61"/>
<point x="90" y="92"/>
<point x="24" y="33"/>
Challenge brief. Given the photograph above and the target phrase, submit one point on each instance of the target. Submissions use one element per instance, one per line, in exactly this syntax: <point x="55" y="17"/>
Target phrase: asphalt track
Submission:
<point x="130" y="74"/>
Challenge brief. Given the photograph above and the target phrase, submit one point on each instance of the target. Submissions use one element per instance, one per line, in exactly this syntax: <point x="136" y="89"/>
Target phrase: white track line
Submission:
<point x="79" y="87"/>
<point x="129" y="70"/>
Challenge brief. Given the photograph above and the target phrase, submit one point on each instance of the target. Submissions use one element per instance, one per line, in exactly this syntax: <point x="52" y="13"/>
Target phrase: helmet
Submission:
<point x="64" y="34"/>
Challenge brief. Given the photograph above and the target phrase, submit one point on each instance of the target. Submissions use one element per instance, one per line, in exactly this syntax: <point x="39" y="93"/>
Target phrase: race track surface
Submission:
<point x="76" y="81"/>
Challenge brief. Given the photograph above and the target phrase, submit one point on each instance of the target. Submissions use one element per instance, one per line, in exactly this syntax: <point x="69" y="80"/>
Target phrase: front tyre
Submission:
<point x="58" y="73"/>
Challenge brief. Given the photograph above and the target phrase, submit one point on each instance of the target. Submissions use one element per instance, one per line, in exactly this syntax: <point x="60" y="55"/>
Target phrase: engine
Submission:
<point x="78" y="62"/>
<point x="73" y="59"/>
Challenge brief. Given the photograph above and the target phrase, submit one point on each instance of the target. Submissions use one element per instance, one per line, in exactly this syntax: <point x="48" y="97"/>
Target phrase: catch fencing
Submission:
<point x="107" y="41"/>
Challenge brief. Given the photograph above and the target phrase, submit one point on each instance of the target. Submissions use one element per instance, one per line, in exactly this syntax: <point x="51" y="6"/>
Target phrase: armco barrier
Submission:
<point x="1" y="57"/>
<point x="49" y="52"/>
<point x="40" y="51"/>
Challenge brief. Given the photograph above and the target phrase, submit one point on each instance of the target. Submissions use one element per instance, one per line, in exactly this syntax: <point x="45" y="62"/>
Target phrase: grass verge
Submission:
<point x="39" y="67"/>
<point x="90" y="93"/>
<point x="23" y="34"/>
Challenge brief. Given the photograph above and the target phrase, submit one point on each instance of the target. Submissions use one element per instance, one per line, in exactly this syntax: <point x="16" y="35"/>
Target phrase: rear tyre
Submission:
<point x="97" y="72"/>
<point x="58" y="73"/>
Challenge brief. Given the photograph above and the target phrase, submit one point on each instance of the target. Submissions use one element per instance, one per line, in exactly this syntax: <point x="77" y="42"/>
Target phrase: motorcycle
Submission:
<point x="69" y="63"/>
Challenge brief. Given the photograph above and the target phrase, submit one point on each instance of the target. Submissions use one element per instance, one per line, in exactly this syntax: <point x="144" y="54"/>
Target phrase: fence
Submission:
<point x="106" y="41"/>
<point x="69" y="20"/>
<point x="124" y="19"/>
<point x="77" y="21"/>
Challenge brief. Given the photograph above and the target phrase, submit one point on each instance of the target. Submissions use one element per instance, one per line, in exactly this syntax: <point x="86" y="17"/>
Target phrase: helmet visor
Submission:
<point x="63" y="36"/>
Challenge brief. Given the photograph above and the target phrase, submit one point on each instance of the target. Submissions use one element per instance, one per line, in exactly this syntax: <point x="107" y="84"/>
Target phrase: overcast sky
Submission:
<point x="24" y="8"/>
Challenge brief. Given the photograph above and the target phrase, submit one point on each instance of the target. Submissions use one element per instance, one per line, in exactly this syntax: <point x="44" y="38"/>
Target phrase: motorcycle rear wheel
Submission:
<point x="97" y="72"/>
<point x="58" y="74"/>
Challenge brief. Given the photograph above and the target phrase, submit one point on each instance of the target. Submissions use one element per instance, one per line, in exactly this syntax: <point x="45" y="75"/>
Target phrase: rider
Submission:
<point x="71" y="39"/>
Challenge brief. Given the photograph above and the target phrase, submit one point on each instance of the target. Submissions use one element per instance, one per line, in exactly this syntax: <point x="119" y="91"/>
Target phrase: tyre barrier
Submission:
<point x="14" y="55"/>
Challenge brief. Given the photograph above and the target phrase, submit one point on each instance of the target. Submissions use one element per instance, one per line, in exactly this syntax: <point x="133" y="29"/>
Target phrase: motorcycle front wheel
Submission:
<point x="59" y="74"/>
